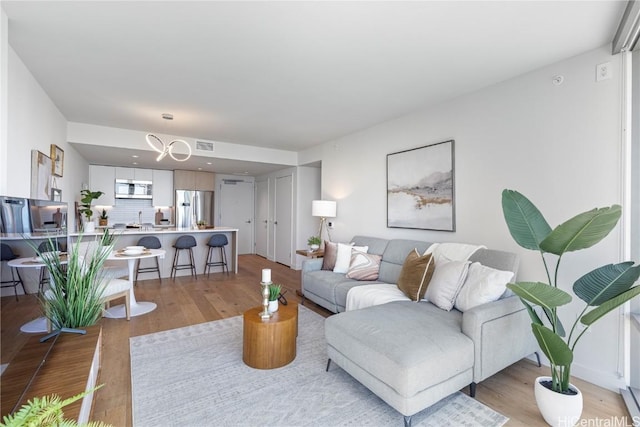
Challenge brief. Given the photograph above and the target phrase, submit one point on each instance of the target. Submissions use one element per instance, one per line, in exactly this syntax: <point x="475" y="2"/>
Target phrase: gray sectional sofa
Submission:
<point x="413" y="354"/>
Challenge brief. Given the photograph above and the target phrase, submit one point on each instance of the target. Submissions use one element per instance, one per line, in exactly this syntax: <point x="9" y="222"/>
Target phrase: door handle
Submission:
<point x="275" y="222"/>
<point x="248" y="222"/>
<point x="266" y="221"/>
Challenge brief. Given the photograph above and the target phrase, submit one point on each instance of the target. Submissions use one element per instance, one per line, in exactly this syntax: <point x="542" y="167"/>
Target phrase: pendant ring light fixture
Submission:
<point x="158" y="145"/>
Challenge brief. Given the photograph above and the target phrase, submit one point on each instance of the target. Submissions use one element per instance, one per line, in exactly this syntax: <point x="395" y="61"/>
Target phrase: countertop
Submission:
<point x="162" y="230"/>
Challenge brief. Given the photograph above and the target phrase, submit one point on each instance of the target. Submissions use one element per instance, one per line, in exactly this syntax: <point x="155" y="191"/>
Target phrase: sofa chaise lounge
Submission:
<point x="413" y="354"/>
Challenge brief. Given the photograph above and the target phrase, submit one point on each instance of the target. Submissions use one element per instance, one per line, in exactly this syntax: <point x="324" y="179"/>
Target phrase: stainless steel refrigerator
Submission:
<point x="192" y="207"/>
<point x="20" y="215"/>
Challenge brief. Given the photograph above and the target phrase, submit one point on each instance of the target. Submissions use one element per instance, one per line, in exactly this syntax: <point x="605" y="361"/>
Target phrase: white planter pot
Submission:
<point x="273" y="306"/>
<point x="314" y="247"/>
<point x="558" y="410"/>
<point x="89" y="227"/>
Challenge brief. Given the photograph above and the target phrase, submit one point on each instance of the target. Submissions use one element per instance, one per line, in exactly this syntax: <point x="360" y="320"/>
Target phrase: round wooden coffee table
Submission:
<point x="271" y="343"/>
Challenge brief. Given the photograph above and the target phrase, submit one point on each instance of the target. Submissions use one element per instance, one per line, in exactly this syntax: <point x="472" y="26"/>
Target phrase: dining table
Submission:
<point x="38" y="325"/>
<point x="137" y="307"/>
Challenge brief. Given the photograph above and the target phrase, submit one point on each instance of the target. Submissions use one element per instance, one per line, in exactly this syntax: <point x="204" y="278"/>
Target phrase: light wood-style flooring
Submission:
<point x="186" y="302"/>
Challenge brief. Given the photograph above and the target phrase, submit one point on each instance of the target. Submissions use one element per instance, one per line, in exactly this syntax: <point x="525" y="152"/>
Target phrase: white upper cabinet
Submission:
<point x="162" y="188"/>
<point x="134" y="173"/>
<point x="102" y="178"/>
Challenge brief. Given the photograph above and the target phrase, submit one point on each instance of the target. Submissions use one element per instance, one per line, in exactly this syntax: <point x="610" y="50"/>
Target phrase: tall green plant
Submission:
<point x="74" y="297"/>
<point x="603" y="289"/>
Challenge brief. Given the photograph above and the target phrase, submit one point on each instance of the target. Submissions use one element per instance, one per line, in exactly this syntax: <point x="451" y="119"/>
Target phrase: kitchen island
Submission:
<point x="167" y="237"/>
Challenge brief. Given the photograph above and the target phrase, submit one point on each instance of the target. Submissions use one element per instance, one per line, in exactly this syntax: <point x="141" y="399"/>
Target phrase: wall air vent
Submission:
<point x="204" y="146"/>
<point x="232" y="181"/>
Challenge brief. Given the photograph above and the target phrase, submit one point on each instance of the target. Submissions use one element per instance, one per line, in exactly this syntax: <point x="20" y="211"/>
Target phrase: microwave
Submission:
<point x="133" y="189"/>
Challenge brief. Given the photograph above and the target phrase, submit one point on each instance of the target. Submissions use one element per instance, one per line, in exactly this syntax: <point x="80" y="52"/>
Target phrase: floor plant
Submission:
<point x="74" y="297"/>
<point x="602" y="289"/>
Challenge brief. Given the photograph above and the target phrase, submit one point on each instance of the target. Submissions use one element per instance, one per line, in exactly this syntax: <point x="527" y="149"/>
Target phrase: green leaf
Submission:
<point x="559" y="328"/>
<point x="552" y="346"/>
<point x="540" y="294"/>
<point x="606" y="282"/>
<point x="532" y="313"/>
<point x="526" y="224"/>
<point x="595" y="314"/>
<point x="582" y="231"/>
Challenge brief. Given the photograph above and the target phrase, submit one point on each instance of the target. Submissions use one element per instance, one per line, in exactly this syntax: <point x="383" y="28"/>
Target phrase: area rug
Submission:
<point x="194" y="376"/>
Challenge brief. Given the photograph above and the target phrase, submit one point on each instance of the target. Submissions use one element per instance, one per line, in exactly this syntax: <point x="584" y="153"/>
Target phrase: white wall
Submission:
<point x="308" y="189"/>
<point x="559" y="145"/>
<point x="34" y="123"/>
<point x="4" y="81"/>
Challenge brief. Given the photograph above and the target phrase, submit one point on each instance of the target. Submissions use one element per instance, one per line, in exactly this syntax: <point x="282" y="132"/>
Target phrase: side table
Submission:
<point x="271" y="343"/>
<point x="314" y="254"/>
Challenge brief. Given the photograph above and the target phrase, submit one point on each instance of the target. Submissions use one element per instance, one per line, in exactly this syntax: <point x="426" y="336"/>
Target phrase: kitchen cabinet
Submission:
<point x="205" y="181"/>
<point x="194" y="180"/>
<point x="102" y="178"/>
<point x="134" y="173"/>
<point x="184" y="180"/>
<point x="162" y="188"/>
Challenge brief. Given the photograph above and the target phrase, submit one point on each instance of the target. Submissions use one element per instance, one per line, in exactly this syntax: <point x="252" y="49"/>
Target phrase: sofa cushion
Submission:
<point x="363" y="266"/>
<point x="403" y="344"/>
<point x="330" y="255"/>
<point x="376" y="245"/>
<point x="394" y="255"/>
<point x="482" y="285"/>
<point x="415" y="275"/>
<point x="446" y="282"/>
<point x="344" y="256"/>
<point x="323" y="283"/>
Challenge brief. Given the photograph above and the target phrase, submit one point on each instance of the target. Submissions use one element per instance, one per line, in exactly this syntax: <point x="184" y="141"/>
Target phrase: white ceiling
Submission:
<point x="286" y="75"/>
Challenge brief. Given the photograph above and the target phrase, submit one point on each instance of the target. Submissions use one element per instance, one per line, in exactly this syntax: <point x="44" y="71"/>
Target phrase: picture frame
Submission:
<point x="40" y="175"/>
<point x="56" y="195"/>
<point x="420" y="188"/>
<point x="57" y="159"/>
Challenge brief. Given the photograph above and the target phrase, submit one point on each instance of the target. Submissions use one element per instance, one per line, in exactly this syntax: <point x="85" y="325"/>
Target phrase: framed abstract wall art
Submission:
<point x="420" y="188"/>
<point x="40" y="175"/>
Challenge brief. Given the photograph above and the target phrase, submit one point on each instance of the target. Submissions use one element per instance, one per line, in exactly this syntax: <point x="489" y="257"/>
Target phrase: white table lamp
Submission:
<point x="323" y="209"/>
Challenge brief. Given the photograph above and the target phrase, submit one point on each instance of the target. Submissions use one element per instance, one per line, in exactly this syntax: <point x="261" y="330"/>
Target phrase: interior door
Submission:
<point x="262" y="218"/>
<point x="283" y="219"/>
<point x="236" y="210"/>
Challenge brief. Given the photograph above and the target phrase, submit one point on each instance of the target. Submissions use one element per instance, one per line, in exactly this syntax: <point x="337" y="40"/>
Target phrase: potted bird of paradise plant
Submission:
<point x="602" y="290"/>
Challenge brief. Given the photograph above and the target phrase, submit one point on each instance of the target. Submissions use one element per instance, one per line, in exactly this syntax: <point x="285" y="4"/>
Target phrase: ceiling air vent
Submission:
<point x="204" y="146"/>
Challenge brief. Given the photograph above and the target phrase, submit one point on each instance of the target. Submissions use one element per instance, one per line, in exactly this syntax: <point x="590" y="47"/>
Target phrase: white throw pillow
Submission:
<point x="343" y="259"/>
<point x="484" y="284"/>
<point x="446" y="282"/>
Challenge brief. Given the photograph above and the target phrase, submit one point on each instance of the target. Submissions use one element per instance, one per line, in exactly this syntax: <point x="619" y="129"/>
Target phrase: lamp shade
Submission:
<point x="323" y="208"/>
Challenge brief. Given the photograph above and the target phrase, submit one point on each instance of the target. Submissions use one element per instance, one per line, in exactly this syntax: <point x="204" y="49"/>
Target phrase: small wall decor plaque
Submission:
<point x="57" y="159"/>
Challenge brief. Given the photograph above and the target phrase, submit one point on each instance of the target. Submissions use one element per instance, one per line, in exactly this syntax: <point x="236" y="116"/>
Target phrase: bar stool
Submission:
<point x="149" y="242"/>
<point x="216" y="241"/>
<point x="7" y="254"/>
<point x="186" y="242"/>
